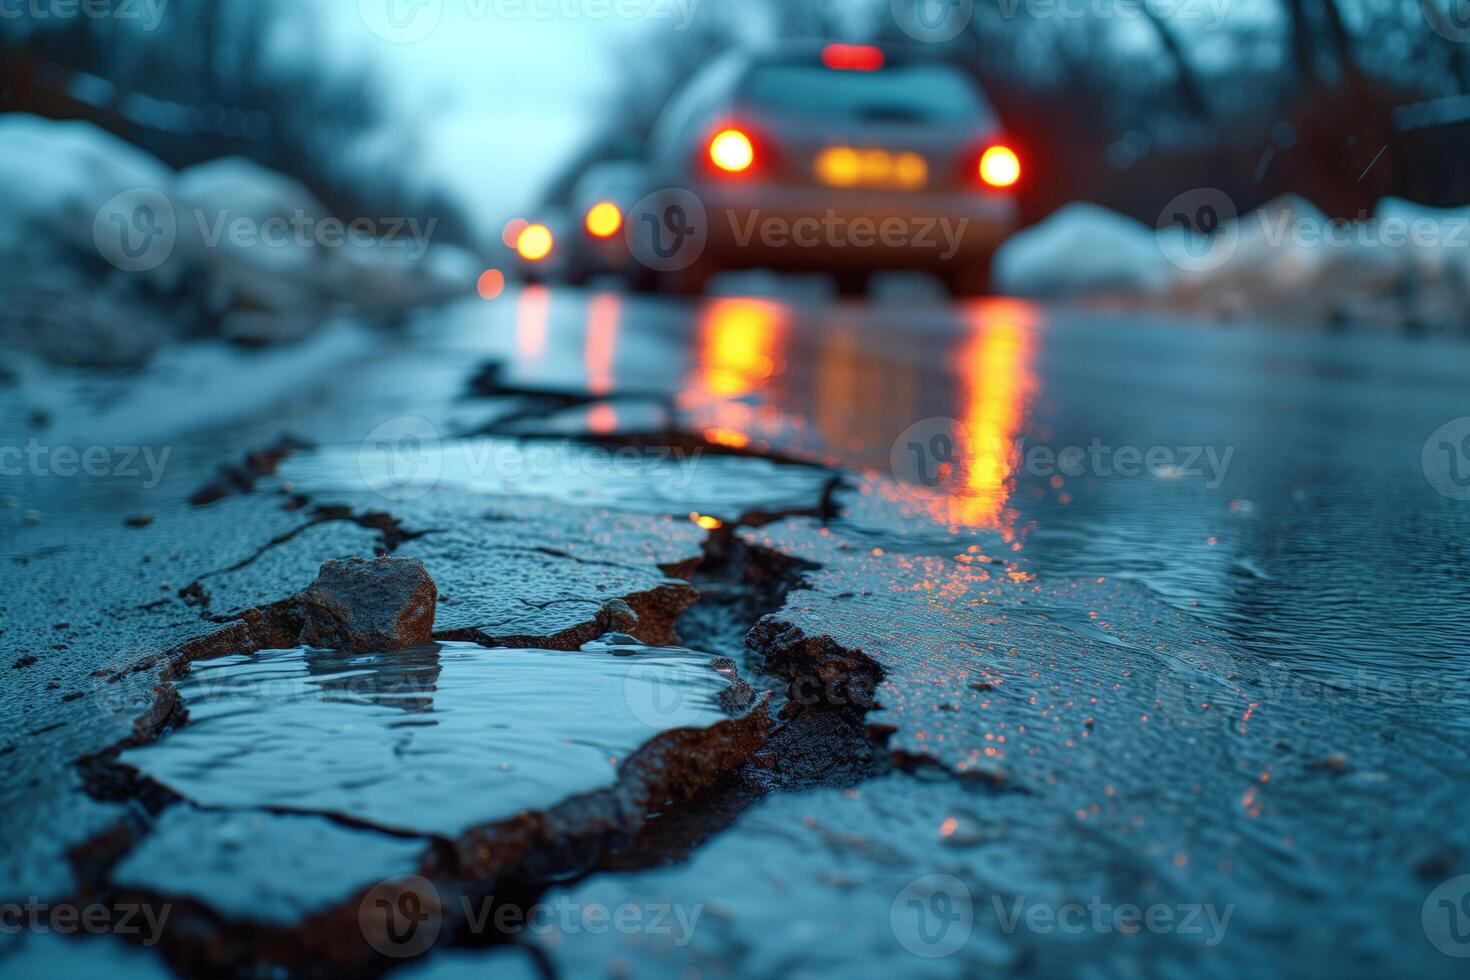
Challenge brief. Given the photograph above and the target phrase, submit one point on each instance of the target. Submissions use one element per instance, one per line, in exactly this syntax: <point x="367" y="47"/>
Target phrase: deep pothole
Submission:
<point x="811" y="741"/>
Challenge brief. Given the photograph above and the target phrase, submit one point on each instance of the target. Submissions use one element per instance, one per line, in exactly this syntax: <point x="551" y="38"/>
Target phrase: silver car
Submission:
<point x="841" y="159"/>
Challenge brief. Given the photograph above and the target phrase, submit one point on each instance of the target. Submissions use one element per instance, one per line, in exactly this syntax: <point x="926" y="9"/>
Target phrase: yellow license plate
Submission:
<point x="845" y="166"/>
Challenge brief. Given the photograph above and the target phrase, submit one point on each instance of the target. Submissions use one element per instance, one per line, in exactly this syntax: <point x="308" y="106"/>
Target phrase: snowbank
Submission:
<point x="1407" y="265"/>
<point x="1082" y="249"/>
<point x="56" y="176"/>
<point x="227" y="248"/>
<point x="60" y="180"/>
<point x="244" y="215"/>
<point x="1438" y="239"/>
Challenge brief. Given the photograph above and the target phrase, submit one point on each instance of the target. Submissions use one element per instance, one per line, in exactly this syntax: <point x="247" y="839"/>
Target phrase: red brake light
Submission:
<point x="852" y="57"/>
<point x="731" y="151"/>
<point x="999" y="166"/>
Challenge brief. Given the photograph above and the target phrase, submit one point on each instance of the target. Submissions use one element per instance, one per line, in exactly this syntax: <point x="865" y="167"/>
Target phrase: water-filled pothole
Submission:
<point x="434" y="740"/>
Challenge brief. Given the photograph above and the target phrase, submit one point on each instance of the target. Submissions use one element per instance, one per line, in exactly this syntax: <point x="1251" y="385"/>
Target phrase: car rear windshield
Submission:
<point x="922" y="93"/>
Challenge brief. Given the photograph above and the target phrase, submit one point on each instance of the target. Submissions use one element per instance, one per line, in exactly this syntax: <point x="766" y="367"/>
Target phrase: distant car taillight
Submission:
<point x="852" y="57"/>
<point x="999" y="166"/>
<point x="604" y="220"/>
<point x="731" y="151"/>
<point x="534" y="243"/>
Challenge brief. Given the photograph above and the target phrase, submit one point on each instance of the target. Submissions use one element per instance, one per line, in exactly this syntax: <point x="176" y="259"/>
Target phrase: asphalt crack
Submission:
<point x="242" y="477"/>
<point x="725" y="601"/>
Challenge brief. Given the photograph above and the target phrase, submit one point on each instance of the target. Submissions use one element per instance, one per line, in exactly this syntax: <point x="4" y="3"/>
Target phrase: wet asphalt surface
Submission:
<point x="1091" y="643"/>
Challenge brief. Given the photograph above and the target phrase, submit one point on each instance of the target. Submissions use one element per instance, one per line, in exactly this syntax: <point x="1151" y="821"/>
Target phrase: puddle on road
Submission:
<point x="435" y="740"/>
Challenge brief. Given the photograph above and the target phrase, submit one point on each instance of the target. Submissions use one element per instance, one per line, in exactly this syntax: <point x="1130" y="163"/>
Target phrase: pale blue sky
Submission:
<point x="498" y="101"/>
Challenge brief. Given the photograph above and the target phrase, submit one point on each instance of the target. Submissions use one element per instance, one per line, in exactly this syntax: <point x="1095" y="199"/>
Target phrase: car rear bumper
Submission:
<point x="769" y="226"/>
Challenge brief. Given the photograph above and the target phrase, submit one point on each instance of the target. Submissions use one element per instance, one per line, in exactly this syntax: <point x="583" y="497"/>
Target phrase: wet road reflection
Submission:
<point x="1224" y="469"/>
<point x="999" y="381"/>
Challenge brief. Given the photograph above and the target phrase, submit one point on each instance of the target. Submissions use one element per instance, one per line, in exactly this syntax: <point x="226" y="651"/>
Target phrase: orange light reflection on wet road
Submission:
<point x="741" y="343"/>
<point x="998" y="382"/>
<point x="604" y="315"/>
<point x="604" y="319"/>
<point x="533" y="314"/>
<point x="739" y="338"/>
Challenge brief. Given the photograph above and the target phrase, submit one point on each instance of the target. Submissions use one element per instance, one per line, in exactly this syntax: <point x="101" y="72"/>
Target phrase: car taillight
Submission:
<point x="731" y="151"/>
<point x="999" y="166"/>
<point x="852" y="57"/>
<point x="604" y="220"/>
<point x="534" y="243"/>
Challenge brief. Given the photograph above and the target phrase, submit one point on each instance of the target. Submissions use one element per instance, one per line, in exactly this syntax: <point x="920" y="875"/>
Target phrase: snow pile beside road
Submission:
<point x="227" y="248"/>
<point x="1405" y="266"/>
<point x="249" y="273"/>
<point x="56" y="176"/>
<point x="1082" y="249"/>
<point x="279" y="261"/>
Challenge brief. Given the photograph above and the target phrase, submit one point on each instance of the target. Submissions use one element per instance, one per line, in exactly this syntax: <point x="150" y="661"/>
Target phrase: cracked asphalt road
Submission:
<point x="1001" y="617"/>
